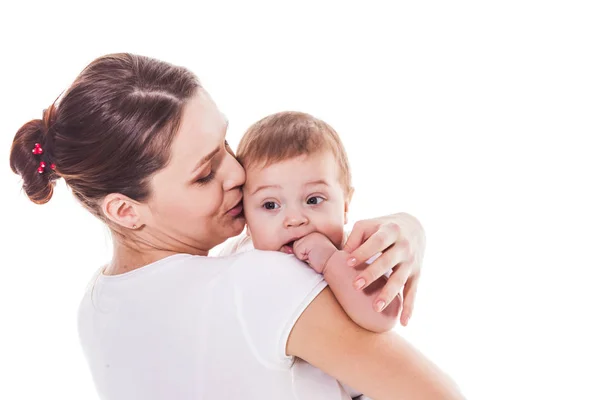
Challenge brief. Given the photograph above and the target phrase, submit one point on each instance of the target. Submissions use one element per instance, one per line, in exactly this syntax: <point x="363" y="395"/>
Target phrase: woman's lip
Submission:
<point x="237" y="210"/>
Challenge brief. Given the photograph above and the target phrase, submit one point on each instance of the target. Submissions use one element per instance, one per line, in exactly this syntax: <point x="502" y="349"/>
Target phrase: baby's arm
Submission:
<point x="318" y="251"/>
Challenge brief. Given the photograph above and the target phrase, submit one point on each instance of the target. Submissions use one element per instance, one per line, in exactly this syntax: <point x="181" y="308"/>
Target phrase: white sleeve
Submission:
<point x="271" y="291"/>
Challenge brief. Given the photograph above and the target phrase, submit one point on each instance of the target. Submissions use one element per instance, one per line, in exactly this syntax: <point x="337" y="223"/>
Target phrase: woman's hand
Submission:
<point x="401" y="240"/>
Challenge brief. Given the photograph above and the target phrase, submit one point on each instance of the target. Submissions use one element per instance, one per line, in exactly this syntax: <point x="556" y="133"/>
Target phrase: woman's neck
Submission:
<point x="130" y="253"/>
<point x="126" y="259"/>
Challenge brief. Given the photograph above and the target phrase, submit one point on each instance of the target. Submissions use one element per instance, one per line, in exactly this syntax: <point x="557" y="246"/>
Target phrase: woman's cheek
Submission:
<point x="206" y="203"/>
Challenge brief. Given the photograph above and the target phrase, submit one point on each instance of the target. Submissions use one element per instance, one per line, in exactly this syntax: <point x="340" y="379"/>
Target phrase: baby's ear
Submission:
<point x="347" y="204"/>
<point x="349" y="195"/>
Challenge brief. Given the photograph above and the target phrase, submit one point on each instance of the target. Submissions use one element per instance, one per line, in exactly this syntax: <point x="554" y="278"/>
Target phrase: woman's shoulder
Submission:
<point x="272" y="270"/>
<point x="250" y="271"/>
<point x="270" y="291"/>
<point x="270" y="262"/>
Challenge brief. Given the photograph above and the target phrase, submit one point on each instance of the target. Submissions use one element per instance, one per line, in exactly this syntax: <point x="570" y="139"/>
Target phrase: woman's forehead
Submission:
<point x="201" y="130"/>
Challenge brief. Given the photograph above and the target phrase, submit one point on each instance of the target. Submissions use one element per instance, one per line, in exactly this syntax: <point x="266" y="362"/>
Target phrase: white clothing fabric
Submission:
<point x="237" y="245"/>
<point x="191" y="327"/>
<point x="242" y="244"/>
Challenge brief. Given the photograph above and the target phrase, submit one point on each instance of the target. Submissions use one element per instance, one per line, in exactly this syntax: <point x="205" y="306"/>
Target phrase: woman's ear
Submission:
<point x="347" y="204"/>
<point x="122" y="211"/>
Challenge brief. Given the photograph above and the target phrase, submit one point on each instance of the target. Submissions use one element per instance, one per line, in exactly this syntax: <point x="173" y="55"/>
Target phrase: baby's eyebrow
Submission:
<point x="317" y="182"/>
<point x="258" y="189"/>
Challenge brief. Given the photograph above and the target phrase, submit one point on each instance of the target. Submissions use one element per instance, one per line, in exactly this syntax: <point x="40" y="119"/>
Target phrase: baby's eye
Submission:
<point x="314" y="200"/>
<point x="271" y="205"/>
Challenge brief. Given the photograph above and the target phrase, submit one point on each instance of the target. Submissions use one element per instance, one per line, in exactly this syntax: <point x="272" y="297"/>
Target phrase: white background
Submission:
<point x="481" y="118"/>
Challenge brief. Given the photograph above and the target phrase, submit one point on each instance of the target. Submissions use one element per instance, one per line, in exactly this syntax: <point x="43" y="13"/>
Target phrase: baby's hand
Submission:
<point x="316" y="249"/>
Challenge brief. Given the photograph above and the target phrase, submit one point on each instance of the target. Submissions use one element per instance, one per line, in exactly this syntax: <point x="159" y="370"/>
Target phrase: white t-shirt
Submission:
<point x="242" y="244"/>
<point x="191" y="327"/>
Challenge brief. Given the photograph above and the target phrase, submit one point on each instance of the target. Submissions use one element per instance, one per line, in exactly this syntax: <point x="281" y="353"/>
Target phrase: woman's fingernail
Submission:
<point x="359" y="284"/>
<point x="351" y="261"/>
<point x="379" y="305"/>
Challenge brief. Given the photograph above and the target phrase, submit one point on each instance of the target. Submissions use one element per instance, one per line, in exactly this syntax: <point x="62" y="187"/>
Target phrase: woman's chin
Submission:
<point x="237" y="226"/>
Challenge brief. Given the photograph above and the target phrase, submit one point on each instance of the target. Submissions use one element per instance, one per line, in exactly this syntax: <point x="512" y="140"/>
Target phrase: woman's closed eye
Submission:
<point x="207" y="178"/>
<point x="270" y="205"/>
<point x="314" y="200"/>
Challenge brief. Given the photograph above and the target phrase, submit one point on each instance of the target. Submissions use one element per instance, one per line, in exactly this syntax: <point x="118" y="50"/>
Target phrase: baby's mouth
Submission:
<point x="288" y="248"/>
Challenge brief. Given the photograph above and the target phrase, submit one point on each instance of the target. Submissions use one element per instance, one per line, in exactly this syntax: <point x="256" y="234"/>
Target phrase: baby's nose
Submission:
<point x="296" y="220"/>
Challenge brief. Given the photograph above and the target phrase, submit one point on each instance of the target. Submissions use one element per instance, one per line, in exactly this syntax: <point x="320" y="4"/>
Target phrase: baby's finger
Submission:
<point x="300" y="249"/>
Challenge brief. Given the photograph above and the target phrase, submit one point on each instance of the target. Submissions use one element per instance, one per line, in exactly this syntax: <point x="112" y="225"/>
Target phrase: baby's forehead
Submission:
<point x="312" y="161"/>
<point x="259" y="177"/>
<point x="318" y="162"/>
<point x="291" y="174"/>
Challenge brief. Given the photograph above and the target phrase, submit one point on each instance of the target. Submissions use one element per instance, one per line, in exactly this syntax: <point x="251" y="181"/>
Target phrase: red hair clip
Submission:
<point x="37" y="149"/>
<point x="42" y="168"/>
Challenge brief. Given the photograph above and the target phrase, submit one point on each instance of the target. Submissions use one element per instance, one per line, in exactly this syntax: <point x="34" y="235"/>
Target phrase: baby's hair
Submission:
<point x="289" y="134"/>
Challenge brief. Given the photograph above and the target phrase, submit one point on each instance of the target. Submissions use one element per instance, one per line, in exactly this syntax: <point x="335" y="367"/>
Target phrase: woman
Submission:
<point x="142" y="146"/>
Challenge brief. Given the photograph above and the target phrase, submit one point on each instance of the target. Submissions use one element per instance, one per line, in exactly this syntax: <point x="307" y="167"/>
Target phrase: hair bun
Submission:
<point x="30" y="160"/>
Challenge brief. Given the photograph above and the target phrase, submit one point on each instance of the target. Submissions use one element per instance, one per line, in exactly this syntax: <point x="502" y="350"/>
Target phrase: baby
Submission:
<point x="296" y="199"/>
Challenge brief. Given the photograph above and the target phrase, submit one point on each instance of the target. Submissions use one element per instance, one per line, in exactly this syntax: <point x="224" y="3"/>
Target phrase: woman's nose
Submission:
<point x="236" y="176"/>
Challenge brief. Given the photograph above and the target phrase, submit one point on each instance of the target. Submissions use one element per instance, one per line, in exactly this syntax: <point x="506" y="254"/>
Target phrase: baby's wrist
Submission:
<point x="315" y="249"/>
<point x="321" y="257"/>
<point x="336" y="257"/>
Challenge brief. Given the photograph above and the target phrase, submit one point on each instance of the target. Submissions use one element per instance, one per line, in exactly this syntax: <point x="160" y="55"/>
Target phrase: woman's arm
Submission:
<point x="318" y="251"/>
<point x="380" y="365"/>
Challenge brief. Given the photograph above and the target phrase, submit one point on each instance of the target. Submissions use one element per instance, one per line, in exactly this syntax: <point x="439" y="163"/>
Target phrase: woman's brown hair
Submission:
<point x="108" y="133"/>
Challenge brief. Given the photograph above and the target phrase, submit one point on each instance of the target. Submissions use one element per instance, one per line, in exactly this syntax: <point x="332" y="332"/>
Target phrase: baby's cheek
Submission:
<point x="262" y="237"/>
<point x="338" y="238"/>
<point x="335" y="233"/>
<point x="263" y="242"/>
